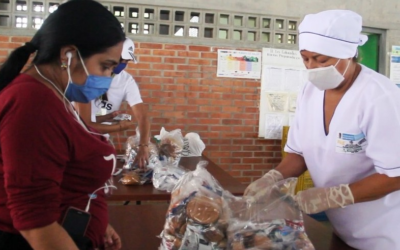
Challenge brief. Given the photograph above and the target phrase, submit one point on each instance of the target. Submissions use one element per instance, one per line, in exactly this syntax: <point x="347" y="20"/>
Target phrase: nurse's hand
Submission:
<point x="267" y="180"/>
<point x="315" y="200"/>
<point x="142" y="157"/>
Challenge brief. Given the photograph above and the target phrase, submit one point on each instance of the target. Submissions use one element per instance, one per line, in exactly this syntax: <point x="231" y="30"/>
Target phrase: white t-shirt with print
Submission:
<point x="363" y="139"/>
<point x="123" y="88"/>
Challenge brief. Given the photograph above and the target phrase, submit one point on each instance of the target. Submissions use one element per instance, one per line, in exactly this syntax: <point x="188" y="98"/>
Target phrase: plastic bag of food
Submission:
<point x="197" y="217"/>
<point x="192" y="145"/>
<point x="166" y="176"/>
<point x="170" y="146"/>
<point x="271" y="221"/>
<point x="132" y="148"/>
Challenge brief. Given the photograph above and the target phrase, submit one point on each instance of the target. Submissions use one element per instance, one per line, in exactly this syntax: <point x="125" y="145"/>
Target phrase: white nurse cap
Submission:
<point x="334" y="33"/>
<point x="128" y="50"/>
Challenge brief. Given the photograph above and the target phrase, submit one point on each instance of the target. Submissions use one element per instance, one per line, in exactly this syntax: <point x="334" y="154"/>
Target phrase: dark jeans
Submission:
<point x="9" y="241"/>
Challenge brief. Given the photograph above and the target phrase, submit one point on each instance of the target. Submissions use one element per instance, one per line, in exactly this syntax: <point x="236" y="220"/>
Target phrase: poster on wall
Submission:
<point x="395" y="65"/>
<point x="239" y="64"/>
<point x="282" y="78"/>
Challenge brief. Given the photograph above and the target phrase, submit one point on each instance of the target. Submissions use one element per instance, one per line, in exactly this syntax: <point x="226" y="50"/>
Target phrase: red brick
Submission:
<point x="144" y="72"/>
<point x="210" y="134"/>
<point x="211" y="82"/>
<point x="175" y="60"/>
<point x="252" y="160"/>
<point x="163" y="107"/>
<point x="221" y="141"/>
<point x="150" y="59"/>
<point x="189" y="95"/>
<point x="272" y="160"/>
<point x="10" y="45"/>
<point x="142" y="66"/>
<point x="186" y="81"/>
<point x="231" y="122"/>
<point x="187" y="108"/>
<point x="175" y="47"/>
<point x="212" y="55"/>
<point x="266" y="142"/>
<point x="163" y="66"/>
<point x="162" y="94"/>
<point x="198" y="114"/>
<point x="264" y="167"/>
<point x="232" y="147"/>
<point x="232" y="109"/>
<point x="244" y="129"/>
<point x="199" y="48"/>
<point x="197" y="128"/>
<point x="151" y="86"/>
<point x="4" y="38"/>
<point x="157" y="52"/>
<point x="252" y="148"/>
<point x="162" y="80"/>
<point x="273" y="148"/>
<point x="210" y="95"/>
<point x="221" y="115"/>
<point x="252" y="97"/>
<point x="232" y="96"/>
<point x="221" y="102"/>
<point x="231" y="135"/>
<point x="150" y="46"/>
<point x="161" y="120"/>
<point x="221" y="89"/>
<point x="245" y="103"/>
<point x="173" y="74"/>
<point x="198" y="88"/>
<point x="220" y="154"/>
<point x="199" y="61"/>
<point x="220" y="128"/>
<point x="230" y="160"/>
<point x="177" y="114"/>
<point x="185" y="121"/>
<point x="252" y="110"/>
<point x="210" y="109"/>
<point x="188" y="54"/>
<point x="245" y="180"/>
<point x="187" y="68"/>
<point x="3" y="52"/>
<point x="242" y="154"/>
<point x="21" y="39"/>
<point x="244" y="116"/>
<point x="245" y="90"/>
<point x="251" y="135"/>
<point x="209" y="121"/>
<point x="139" y="51"/>
<point x="212" y="69"/>
<point x="253" y="173"/>
<point x="252" y="84"/>
<point x="194" y="75"/>
<point x="174" y="87"/>
<point x="251" y="122"/>
<point x="175" y="100"/>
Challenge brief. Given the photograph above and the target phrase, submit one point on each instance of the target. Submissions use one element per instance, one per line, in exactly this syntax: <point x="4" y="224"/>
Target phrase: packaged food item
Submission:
<point x="122" y="117"/>
<point x="197" y="217"/>
<point x="270" y="221"/>
<point x="166" y="176"/>
<point x="170" y="146"/>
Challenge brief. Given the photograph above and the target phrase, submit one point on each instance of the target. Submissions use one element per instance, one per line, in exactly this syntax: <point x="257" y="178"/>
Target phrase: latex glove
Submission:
<point x="315" y="200"/>
<point x="267" y="180"/>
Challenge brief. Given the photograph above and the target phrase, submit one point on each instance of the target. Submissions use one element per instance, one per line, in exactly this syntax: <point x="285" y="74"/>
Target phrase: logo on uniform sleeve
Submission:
<point x="351" y="143"/>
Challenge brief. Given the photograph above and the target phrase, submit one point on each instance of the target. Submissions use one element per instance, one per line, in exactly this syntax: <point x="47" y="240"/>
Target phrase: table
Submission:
<point x="148" y="192"/>
<point x="138" y="227"/>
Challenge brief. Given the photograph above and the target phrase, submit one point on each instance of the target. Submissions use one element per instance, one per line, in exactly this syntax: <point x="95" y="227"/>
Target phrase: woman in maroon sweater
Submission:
<point x="49" y="160"/>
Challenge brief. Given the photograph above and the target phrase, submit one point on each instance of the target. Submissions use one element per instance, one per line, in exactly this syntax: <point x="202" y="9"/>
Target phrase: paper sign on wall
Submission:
<point x="239" y="64"/>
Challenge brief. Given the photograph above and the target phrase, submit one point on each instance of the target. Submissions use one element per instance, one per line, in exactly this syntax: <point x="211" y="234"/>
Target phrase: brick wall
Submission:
<point x="179" y="85"/>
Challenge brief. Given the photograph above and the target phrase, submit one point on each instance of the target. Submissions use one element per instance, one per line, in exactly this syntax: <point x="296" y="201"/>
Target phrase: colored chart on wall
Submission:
<point x="239" y="64"/>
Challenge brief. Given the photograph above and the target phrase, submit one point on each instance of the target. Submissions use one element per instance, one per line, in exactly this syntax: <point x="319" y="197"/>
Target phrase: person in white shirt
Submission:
<point x="346" y="132"/>
<point x="105" y="108"/>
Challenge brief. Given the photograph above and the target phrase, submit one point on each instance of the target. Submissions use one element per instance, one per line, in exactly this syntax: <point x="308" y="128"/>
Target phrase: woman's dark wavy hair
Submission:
<point x="84" y="23"/>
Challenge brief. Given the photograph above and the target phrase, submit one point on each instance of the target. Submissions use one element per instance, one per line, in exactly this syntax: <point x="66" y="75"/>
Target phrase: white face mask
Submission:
<point x="326" y="77"/>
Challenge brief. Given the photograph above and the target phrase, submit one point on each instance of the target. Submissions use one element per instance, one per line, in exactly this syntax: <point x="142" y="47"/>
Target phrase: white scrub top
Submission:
<point x="123" y="88"/>
<point x="363" y="139"/>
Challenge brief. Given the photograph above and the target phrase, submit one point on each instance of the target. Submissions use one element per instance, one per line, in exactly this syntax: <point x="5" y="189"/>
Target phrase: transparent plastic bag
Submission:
<point x="192" y="145"/>
<point x="271" y="221"/>
<point x="170" y="146"/>
<point x="165" y="177"/>
<point x="197" y="217"/>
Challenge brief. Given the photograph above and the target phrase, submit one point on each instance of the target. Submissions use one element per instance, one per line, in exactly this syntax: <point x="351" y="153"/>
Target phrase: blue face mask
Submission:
<point x="94" y="86"/>
<point x="119" y="68"/>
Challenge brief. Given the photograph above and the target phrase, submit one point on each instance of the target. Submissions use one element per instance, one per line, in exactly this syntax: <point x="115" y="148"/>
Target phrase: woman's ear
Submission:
<point x="66" y="54"/>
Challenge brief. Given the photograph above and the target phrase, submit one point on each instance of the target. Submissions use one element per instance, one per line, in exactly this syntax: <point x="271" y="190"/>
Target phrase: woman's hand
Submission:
<point x="112" y="241"/>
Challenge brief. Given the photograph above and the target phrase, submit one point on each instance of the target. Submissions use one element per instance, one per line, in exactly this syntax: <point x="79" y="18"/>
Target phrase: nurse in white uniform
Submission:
<point x="123" y="89"/>
<point x="347" y="134"/>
